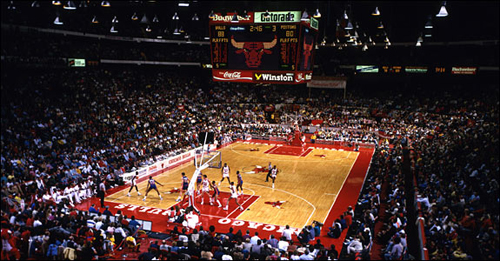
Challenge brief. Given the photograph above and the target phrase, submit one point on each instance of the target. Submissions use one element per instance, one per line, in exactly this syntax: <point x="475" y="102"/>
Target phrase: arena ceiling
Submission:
<point x="403" y="21"/>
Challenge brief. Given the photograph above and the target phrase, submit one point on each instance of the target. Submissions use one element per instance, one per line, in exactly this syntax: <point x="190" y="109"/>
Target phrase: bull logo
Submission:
<point x="306" y="51"/>
<point x="253" y="50"/>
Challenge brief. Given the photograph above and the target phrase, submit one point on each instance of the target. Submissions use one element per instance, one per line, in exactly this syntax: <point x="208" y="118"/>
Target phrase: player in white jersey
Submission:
<point x="274" y="172"/>
<point x="225" y="173"/>
<point x="205" y="188"/>
<point x="234" y="195"/>
<point x="133" y="183"/>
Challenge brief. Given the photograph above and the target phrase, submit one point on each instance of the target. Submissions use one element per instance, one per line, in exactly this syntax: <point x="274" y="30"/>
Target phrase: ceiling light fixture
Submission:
<point x="155" y="19"/>
<point x="94" y="20"/>
<point x="105" y="4"/>
<point x="82" y="4"/>
<point x="113" y="30"/>
<point x="195" y="17"/>
<point x="376" y="12"/>
<point x="144" y="19"/>
<point x="35" y="4"/>
<point x="305" y="16"/>
<point x="211" y="15"/>
<point x="115" y="20"/>
<point x="56" y="2"/>
<point x="345" y="15"/>
<point x="235" y="18"/>
<point x="11" y="6"/>
<point x="380" y="25"/>
<point x="134" y="17"/>
<point x="428" y="25"/>
<point x="349" y="25"/>
<point x="443" y="12"/>
<point x="58" y="21"/>
<point x="317" y="14"/>
<point x="175" y="17"/>
<point x="70" y="6"/>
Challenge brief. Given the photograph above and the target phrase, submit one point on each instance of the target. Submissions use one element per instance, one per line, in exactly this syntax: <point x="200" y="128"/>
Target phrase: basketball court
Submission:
<point x="316" y="182"/>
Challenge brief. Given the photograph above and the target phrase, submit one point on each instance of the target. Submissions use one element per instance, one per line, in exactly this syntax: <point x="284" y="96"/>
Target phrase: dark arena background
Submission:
<point x="256" y="130"/>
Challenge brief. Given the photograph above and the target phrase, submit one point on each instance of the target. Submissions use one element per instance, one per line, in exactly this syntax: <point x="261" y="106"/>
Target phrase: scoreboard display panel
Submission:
<point x="263" y="49"/>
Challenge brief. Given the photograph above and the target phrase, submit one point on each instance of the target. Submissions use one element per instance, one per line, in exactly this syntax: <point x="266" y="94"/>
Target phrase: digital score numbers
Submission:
<point x="255" y="46"/>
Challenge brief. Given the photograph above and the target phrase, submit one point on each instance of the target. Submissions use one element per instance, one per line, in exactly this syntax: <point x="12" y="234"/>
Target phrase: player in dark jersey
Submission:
<point x="199" y="179"/>
<point x="240" y="183"/>
<point x="151" y="186"/>
<point x="133" y="183"/>
<point x="185" y="185"/>
<point x="215" y="196"/>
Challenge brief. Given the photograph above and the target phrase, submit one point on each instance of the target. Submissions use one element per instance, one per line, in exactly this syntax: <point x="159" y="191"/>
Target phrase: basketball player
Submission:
<point x="205" y="188"/>
<point x="234" y="195"/>
<point x="152" y="185"/>
<point x="254" y="149"/>
<point x="225" y="173"/>
<point x="185" y="185"/>
<point x="215" y="196"/>
<point x="240" y="183"/>
<point x="199" y="179"/>
<point x="274" y="172"/>
<point x="133" y="184"/>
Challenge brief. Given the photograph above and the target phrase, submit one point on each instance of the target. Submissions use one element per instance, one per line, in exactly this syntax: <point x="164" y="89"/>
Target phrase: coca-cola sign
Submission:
<point x="225" y="75"/>
<point x="232" y="75"/>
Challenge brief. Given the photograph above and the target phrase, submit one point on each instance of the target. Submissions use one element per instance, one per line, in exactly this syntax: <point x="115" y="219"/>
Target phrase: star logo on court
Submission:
<point x="276" y="204"/>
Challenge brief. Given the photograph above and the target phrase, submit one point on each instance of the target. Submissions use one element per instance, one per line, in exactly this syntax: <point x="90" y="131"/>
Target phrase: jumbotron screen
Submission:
<point x="273" y="48"/>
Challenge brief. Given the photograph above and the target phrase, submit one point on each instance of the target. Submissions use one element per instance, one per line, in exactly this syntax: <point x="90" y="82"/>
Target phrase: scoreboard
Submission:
<point x="278" y="48"/>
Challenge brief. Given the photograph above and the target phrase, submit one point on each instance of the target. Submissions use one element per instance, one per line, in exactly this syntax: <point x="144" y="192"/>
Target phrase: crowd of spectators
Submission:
<point x="60" y="128"/>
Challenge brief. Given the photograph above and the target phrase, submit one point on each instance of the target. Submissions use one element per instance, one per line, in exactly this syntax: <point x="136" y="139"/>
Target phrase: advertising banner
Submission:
<point x="464" y="70"/>
<point x="278" y="17"/>
<point x="328" y="82"/>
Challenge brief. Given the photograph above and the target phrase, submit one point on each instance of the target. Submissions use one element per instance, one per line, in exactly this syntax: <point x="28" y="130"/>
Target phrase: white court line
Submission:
<point x="306" y="151"/>
<point x="269" y="151"/>
<point x="140" y="188"/>
<point x="250" y="204"/>
<point x="240" y="204"/>
<point x="341" y="187"/>
<point x="267" y="155"/>
<point x="330" y="194"/>
<point x="314" y="208"/>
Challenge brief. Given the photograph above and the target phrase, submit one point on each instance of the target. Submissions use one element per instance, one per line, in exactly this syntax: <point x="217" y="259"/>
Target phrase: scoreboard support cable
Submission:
<point x="278" y="48"/>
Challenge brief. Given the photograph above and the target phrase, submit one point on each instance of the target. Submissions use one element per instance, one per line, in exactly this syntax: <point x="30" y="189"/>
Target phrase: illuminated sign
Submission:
<point x="273" y="77"/>
<point x="415" y="69"/>
<point x="440" y="69"/>
<point x="391" y="69"/>
<point x="367" y="68"/>
<point x="73" y="62"/>
<point x="277" y="17"/>
<point x="464" y="70"/>
<point x="206" y="66"/>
